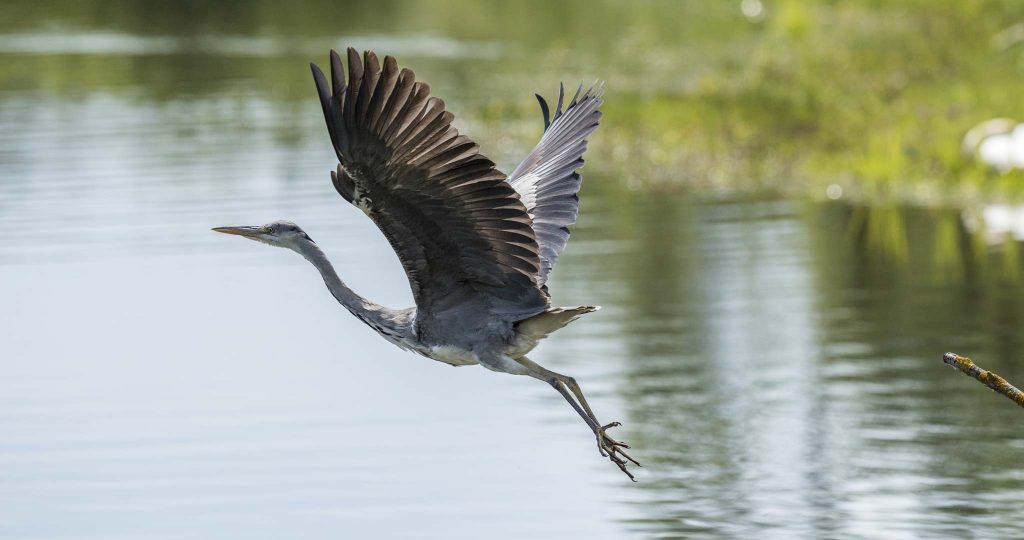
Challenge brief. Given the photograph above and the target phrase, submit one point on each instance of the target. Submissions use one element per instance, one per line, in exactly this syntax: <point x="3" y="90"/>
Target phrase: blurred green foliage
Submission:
<point x="791" y="96"/>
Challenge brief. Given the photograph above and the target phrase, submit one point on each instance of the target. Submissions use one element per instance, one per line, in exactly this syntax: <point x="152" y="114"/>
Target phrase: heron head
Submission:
<point x="276" y="233"/>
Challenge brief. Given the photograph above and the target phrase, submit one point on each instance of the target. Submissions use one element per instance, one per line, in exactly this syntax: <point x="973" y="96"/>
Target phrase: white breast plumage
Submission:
<point x="453" y="355"/>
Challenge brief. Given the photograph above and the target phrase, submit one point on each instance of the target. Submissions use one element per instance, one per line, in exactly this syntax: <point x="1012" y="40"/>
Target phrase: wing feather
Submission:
<point x="464" y="238"/>
<point x="547" y="181"/>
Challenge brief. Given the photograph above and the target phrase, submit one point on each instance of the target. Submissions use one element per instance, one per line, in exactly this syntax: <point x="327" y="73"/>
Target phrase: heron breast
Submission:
<point x="455" y="356"/>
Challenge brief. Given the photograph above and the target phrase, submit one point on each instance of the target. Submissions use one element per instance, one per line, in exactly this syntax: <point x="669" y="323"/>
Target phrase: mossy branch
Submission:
<point x="989" y="379"/>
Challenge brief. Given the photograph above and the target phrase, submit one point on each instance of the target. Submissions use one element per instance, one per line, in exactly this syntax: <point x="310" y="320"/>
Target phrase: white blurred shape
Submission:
<point x="996" y="221"/>
<point x="998" y="143"/>
<point x="752" y="9"/>
<point x="834" y="191"/>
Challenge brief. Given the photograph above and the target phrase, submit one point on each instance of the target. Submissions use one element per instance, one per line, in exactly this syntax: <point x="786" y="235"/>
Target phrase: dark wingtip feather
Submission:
<point x="355" y="68"/>
<point x="337" y="74"/>
<point x="561" y="95"/>
<point x="386" y="81"/>
<point x="544" y="110"/>
<point x="370" y="61"/>
<point x="321" y="82"/>
<point x="371" y="74"/>
<point x="355" y="79"/>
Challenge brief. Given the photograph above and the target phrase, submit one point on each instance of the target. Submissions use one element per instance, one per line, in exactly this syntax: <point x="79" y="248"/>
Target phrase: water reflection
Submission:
<point x="782" y="372"/>
<point x="107" y="43"/>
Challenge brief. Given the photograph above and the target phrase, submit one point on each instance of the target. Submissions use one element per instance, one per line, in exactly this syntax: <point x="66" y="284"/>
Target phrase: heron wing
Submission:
<point x="548" y="181"/>
<point x="459" y="229"/>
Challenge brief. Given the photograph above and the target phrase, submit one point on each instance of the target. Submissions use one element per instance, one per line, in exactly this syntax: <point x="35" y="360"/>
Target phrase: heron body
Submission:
<point x="476" y="245"/>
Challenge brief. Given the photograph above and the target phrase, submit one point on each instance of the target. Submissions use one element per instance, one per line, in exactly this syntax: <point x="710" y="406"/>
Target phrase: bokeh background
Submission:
<point x="777" y="215"/>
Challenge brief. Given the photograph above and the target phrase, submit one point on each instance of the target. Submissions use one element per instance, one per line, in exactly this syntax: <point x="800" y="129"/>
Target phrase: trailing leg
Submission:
<point x="572" y="393"/>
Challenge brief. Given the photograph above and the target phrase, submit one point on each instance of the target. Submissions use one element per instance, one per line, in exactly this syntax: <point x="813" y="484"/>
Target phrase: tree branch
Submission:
<point x="989" y="379"/>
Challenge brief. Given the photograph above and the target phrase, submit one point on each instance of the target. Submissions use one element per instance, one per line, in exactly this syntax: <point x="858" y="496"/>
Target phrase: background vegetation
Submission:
<point x="786" y="95"/>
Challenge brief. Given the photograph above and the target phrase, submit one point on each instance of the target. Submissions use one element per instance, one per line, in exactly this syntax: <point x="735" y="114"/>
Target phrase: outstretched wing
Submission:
<point x="459" y="229"/>
<point x="547" y="180"/>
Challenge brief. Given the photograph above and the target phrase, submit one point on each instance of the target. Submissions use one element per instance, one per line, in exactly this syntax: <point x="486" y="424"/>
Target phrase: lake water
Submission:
<point x="776" y="363"/>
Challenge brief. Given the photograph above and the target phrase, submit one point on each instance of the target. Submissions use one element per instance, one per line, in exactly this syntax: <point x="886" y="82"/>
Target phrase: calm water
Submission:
<point x="775" y="363"/>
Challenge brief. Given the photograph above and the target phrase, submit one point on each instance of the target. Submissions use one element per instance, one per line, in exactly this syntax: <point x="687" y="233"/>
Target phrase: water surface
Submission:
<point x="775" y="362"/>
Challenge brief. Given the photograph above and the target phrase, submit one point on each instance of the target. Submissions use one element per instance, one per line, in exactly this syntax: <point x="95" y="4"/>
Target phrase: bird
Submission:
<point x="476" y="245"/>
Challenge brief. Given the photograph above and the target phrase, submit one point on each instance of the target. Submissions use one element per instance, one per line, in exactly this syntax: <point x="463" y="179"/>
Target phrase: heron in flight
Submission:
<point x="477" y="245"/>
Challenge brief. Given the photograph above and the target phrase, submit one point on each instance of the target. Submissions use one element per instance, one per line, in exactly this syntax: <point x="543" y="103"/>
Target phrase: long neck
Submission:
<point x="389" y="323"/>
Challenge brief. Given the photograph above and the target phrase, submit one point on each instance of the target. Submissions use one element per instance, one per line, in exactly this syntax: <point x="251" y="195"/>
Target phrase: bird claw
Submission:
<point x="612" y="449"/>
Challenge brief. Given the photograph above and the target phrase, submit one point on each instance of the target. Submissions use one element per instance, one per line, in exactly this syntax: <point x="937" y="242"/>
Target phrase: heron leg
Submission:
<point x="571" y="391"/>
<point x="572" y="385"/>
<point x="588" y="418"/>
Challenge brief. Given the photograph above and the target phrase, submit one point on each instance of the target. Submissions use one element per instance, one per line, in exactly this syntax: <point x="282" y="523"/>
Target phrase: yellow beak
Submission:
<point x="248" y="232"/>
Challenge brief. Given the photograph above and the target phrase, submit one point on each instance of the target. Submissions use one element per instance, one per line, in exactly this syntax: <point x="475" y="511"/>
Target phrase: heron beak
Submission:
<point x="248" y="232"/>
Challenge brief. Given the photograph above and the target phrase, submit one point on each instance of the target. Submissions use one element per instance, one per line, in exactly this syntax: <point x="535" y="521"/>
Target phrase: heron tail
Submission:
<point x="544" y="324"/>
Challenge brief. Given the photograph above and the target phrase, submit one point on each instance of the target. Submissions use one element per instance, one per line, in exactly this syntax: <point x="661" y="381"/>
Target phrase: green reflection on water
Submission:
<point x="782" y="374"/>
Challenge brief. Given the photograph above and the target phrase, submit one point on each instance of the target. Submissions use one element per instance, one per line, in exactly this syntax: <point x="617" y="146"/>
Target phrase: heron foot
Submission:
<point x="613" y="450"/>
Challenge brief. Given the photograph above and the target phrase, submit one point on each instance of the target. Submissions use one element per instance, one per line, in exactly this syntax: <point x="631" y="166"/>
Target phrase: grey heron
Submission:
<point x="477" y="245"/>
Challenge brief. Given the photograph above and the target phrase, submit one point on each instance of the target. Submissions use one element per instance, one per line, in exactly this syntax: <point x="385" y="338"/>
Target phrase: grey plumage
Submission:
<point x="477" y="247"/>
<point x="547" y="180"/>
